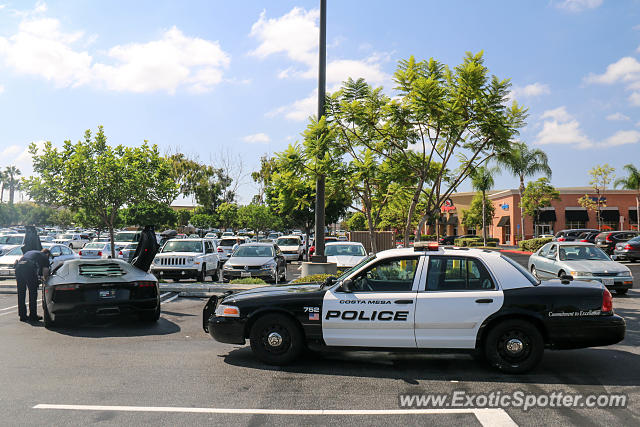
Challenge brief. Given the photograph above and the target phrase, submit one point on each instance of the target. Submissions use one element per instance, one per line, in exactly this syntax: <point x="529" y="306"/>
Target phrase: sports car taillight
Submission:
<point x="145" y="284"/>
<point x="607" y="302"/>
<point x="66" y="287"/>
<point x="584" y="240"/>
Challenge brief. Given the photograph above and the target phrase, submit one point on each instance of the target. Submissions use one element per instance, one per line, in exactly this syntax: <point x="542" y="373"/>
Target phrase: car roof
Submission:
<point x="343" y="243"/>
<point x="574" y="243"/>
<point x="257" y="244"/>
<point x="290" y="236"/>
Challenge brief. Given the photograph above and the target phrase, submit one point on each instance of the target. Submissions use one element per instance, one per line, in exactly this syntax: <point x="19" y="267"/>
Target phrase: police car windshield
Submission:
<point x="530" y="277"/>
<point x="355" y="267"/>
<point x="182" y="246"/>
<point x="344" y="250"/>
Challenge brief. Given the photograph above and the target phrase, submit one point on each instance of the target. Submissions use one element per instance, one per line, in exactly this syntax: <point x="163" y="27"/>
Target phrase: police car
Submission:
<point x="422" y="299"/>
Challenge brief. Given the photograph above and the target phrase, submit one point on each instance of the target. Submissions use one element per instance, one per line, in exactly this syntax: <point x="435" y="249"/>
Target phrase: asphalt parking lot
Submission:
<point x="172" y="373"/>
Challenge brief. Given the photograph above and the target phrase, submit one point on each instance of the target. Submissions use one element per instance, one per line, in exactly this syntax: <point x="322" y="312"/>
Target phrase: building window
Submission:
<point x="544" y="229"/>
<point x="575" y="224"/>
<point x="507" y="234"/>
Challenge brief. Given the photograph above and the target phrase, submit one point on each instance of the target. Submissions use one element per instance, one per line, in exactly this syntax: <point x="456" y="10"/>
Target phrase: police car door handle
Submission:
<point x="484" y="301"/>
<point x="404" y="301"/>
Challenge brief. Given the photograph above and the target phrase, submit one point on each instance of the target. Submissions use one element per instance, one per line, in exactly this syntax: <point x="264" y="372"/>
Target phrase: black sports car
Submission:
<point x="422" y="299"/>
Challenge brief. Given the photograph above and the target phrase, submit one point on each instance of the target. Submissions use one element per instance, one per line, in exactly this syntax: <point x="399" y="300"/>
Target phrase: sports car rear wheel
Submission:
<point x="151" y="317"/>
<point x="514" y="346"/>
<point x="276" y="339"/>
<point x="48" y="321"/>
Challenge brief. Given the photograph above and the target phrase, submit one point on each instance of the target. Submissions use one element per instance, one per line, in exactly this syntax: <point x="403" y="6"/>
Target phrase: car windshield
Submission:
<point x="344" y="250"/>
<point x="96" y="245"/>
<point x="11" y="240"/>
<point x="530" y="277"/>
<point x="15" y="251"/>
<point x="288" y="241"/>
<point x="253" y="251"/>
<point x="127" y="236"/>
<point x="228" y="242"/>
<point x="182" y="246"/>
<point x="130" y="246"/>
<point x="65" y="236"/>
<point x="581" y="252"/>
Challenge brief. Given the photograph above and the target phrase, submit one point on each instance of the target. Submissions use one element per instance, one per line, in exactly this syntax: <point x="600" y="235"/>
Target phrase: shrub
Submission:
<point x="533" y="245"/>
<point x="466" y="241"/>
<point x="313" y="278"/>
<point x="248" y="281"/>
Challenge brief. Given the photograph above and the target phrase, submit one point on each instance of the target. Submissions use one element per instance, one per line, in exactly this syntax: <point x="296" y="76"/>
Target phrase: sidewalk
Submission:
<point x="204" y="289"/>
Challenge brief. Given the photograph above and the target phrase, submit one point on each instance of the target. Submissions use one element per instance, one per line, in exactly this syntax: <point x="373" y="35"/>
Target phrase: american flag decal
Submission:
<point x="314" y="316"/>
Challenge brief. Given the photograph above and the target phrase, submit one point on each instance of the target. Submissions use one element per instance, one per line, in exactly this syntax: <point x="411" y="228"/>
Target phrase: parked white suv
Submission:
<point x="186" y="259"/>
<point x="291" y="247"/>
<point x="72" y="240"/>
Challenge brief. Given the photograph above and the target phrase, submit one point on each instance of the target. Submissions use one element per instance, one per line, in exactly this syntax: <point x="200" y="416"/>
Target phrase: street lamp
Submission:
<point x="318" y="255"/>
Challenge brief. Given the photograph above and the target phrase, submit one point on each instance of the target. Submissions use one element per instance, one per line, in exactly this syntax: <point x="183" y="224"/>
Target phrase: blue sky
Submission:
<point x="238" y="79"/>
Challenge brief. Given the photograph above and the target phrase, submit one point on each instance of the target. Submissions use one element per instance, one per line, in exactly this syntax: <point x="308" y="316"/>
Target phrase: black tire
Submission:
<point x="202" y="275"/>
<point x="151" y="317"/>
<point x="515" y="331"/>
<point x="534" y="271"/>
<point x="48" y="321"/>
<point x="621" y="291"/>
<point x="561" y="273"/>
<point x="287" y="333"/>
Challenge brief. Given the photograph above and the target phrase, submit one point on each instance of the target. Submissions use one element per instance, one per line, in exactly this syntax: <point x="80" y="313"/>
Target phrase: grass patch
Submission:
<point x="248" y="281"/>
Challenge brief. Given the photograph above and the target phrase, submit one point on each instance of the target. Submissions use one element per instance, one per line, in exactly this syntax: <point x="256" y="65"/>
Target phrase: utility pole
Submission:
<point x="318" y="255"/>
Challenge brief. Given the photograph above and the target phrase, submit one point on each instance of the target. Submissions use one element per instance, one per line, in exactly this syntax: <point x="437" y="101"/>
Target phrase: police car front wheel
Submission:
<point x="276" y="339"/>
<point x="514" y="346"/>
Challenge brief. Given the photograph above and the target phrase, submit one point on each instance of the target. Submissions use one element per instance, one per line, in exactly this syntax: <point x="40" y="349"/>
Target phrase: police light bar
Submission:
<point x="425" y="246"/>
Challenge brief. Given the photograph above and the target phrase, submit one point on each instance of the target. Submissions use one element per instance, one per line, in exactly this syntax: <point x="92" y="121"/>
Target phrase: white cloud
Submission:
<point x="626" y="69"/>
<point x="257" y="138"/>
<point x="634" y="98"/>
<point x="528" y="91"/>
<point x="636" y="27"/>
<point x="562" y="128"/>
<point x="578" y="5"/>
<point x="298" y="110"/>
<point x="617" y="117"/>
<point x="19" y="156"/>
<point x="1" y="89"/>
<point x="622" y="137"/>
<point x="295" y="34"/>
<point x="42" y="48"/>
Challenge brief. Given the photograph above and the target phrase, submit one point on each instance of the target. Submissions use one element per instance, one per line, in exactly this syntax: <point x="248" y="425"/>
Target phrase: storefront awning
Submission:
<point x="610" y="215"/>
<point x="576" y="215"/>
<point x="547" y="215"/>
<point x="505" y="221"/>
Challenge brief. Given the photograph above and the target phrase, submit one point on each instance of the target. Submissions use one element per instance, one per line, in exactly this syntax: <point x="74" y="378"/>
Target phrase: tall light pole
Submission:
<point x="319" y="256"/>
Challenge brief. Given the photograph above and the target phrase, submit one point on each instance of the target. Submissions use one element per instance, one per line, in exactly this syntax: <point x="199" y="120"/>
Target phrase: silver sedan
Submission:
<point x="582" y="261"/>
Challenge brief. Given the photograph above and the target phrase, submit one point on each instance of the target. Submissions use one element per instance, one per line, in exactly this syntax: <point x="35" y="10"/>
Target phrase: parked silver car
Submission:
<point x="582" y="261"/>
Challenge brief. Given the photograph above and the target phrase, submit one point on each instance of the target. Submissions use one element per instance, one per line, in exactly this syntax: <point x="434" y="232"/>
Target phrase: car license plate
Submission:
<point x="4" y="272"/>
<point x="245" y="274"/>
<point x="607" y="281"/>
<point x="108" y="293"/>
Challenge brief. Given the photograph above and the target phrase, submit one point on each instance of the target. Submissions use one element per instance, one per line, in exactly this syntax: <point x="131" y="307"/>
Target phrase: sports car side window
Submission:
<point x="456" y="274"/>
<point x="390" y="275"/>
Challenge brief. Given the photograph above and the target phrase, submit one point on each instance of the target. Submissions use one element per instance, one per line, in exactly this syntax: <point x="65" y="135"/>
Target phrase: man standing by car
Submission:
<point x="29" y="267"/>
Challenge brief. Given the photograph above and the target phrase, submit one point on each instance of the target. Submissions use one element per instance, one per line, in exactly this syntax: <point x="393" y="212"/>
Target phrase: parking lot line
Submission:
<point x="171" y="299"/>
<point x="8" y="308"/>
<point x="486" y="416"/>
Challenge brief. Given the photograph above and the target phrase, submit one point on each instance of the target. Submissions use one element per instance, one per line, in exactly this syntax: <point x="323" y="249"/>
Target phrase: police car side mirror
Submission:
<point x="565" y="279"/>
<point x="347" y="286"/>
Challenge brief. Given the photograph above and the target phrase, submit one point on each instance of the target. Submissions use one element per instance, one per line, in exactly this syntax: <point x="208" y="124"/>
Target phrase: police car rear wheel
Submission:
<point x="276" y="339"/>
<point x="514" y="346"/>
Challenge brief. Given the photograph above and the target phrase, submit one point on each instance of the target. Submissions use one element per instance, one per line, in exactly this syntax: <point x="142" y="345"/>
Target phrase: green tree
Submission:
<point x="228" y="215"/>
<point x="442" y="124"/>
<point x="482" y="181"/>
<point x="98" y="178"/>
<point x="157" y="213"/>
<point x="631" y="182"/>
<point x="537" y="194"/>
<point x="601" y="177"/>
<point x="12" y="174"/>
<point x="3" y="183"/>
<point x="202" y="220"/>
<point x="357" y="222"/>
<point x="479" y="213"/>
<point x="523" y="163"/>
<point x="257" y="218"/>
<point x="184" y="216"/>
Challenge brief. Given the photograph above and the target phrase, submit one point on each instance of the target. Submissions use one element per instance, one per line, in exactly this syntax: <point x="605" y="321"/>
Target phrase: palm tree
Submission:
<point x="523" y="163"/>
<point x="3" y="181"/>
<point x="482" y="180"/>
<point x="12" y="173"/>
<point x="631" y="182"/>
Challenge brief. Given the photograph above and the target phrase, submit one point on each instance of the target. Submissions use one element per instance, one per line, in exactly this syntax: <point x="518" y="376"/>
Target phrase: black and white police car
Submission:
<point x="422" y="299"/>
